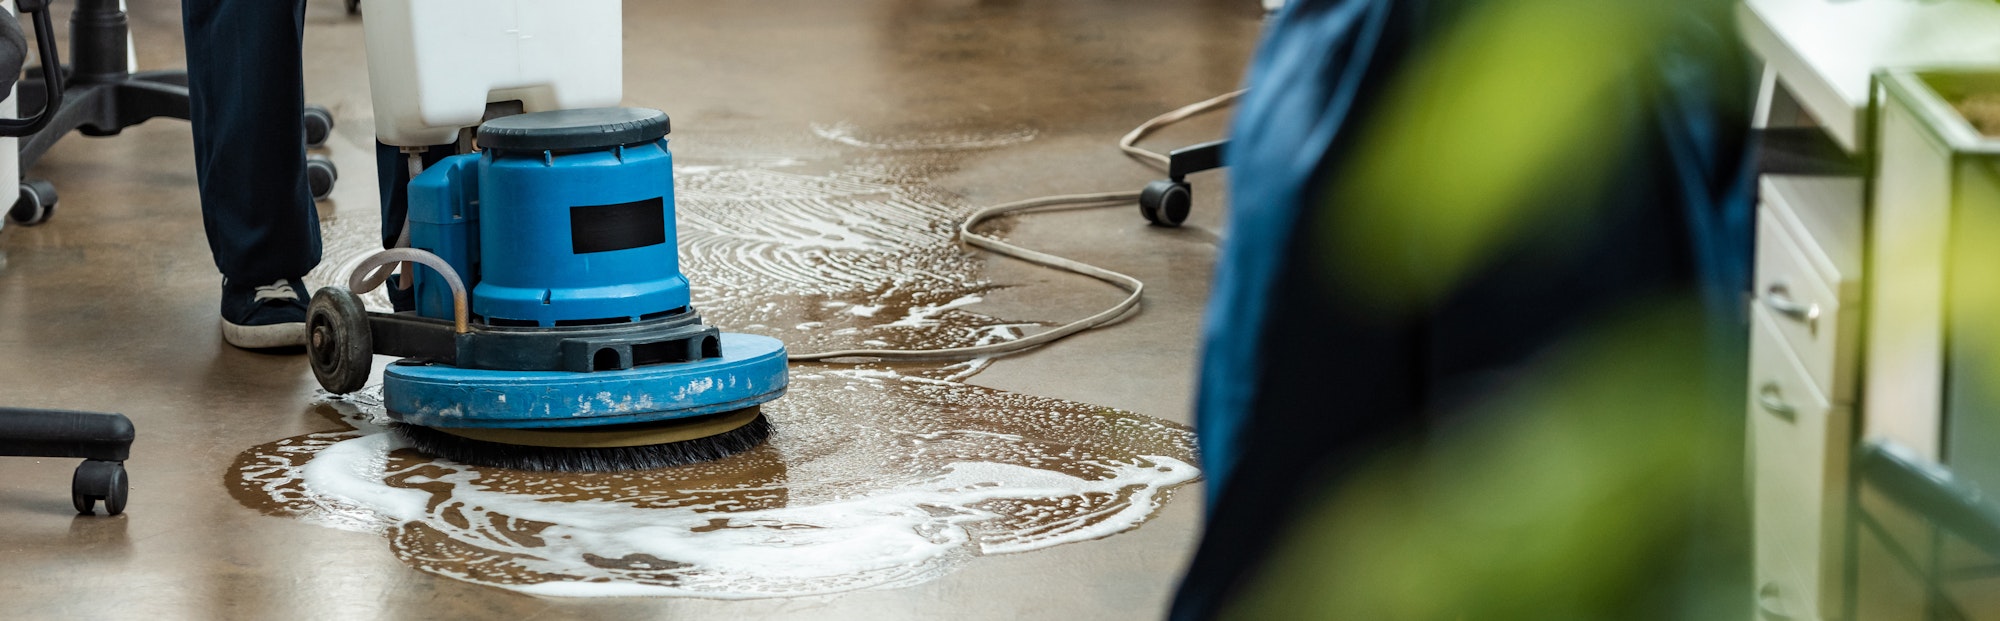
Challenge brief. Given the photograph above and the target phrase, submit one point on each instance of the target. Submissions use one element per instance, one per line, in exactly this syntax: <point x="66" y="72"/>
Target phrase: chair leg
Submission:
<point x="140" y="100"/>
<point x="1166" y="202"/>
<point x="175" y="77"/>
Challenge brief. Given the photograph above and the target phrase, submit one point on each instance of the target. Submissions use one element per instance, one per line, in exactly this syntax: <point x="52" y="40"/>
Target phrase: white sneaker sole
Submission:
<point x="265" y="337"/>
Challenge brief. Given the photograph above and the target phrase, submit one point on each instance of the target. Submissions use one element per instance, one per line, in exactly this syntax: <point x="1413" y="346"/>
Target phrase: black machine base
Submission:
<point x="342" y="335"/>
<point x="676" y="337"/>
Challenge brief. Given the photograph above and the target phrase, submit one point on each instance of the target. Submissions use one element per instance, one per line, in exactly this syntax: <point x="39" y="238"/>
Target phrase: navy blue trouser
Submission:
<point x="392" y="172"/>
<point x="247" y="90"/>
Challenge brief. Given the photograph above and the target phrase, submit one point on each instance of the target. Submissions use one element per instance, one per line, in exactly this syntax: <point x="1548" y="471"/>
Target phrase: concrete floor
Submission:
<point x="112" y="305"/>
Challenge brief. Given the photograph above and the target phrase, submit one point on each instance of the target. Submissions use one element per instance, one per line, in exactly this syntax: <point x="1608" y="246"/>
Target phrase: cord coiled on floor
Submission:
<point x="1133" y="286"/>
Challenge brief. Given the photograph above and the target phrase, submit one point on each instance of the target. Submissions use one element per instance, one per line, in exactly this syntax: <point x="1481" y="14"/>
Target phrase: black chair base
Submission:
<point x="1166" y="202"/>
<point x="101" y="97"/>
<point x="104" y="441"/>
<point x="101" y="107"/>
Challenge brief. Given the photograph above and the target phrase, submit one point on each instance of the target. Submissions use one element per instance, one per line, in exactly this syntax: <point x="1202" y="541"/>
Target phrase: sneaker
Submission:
<point x="264" y="317"/>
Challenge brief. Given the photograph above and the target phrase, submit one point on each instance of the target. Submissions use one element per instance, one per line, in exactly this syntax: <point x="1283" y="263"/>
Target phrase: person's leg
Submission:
<point x="247" y="93"/>
<point x="392" y="171"/>
<point x="392" y="174"/>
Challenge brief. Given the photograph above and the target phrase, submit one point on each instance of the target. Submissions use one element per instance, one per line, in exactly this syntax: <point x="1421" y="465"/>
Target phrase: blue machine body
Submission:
<point x="579" y="234"/>
<point x="444" y="219"/>
<point x="574" y="237"/>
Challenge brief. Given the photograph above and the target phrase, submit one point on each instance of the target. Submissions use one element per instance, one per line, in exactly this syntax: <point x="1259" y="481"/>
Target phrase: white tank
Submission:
<point x="434" y="64"/>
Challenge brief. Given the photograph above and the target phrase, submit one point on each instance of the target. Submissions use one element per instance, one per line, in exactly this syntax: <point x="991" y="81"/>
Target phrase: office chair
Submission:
<point x="102" y="440"/>
<point x="97" y="95"/>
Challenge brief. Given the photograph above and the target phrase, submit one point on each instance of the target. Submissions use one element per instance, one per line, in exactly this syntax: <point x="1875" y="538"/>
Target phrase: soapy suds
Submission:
<point x="877" y="476"/>
<point x="833" y="259"/>
<point x="854" y="136"/>
<point x="874" y="479"/>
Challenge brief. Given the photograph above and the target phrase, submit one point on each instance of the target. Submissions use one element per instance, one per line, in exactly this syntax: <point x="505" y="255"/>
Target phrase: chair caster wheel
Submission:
<point x="319" y="125"/>
<point x="320" y="175"/>
<point x="36" y="204"/>
<point x="98" y="480"/>
<point x="1166" y="202"/>
<point x="339" y="341"/>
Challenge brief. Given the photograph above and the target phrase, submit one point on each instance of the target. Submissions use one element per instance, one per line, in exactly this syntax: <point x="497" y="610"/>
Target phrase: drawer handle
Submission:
<point x="1768" y="604"/>
<point x="1773" y="402"/>
<point x="1779" y="298"/>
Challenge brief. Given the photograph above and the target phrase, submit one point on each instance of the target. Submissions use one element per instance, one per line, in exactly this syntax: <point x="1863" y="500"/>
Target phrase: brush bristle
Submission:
<point x="554" y="459"/>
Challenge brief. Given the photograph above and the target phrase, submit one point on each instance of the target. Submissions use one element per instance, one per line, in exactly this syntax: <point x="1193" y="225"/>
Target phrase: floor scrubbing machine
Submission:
<point x="552" y="328"/>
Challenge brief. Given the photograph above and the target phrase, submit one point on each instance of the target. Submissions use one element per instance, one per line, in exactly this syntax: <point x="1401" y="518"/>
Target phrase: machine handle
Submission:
<point x="1769" y="398"/>
<point x="1778" y="297"/>
<point x="366" y="277"/>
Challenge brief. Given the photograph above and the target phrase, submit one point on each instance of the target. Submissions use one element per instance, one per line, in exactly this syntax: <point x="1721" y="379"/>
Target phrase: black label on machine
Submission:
<point x="604" y="228"/>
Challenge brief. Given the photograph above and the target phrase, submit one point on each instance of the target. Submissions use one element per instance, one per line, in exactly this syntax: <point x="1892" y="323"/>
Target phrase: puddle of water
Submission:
<point x="346" y="239"/>
<point x="874" y="479"/>
<point x="841" y="251"/>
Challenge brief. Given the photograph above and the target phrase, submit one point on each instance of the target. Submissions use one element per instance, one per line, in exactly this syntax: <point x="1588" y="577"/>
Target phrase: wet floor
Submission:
<point x="877" y="476"/>
<point x="873" y="479"/>
<point x="821" y="152"/>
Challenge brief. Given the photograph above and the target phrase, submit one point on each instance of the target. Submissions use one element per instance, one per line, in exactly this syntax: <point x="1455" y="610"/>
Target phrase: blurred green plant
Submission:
<point x="1483" y="136"/>
<point x="1594" y="488"/>
<point x="1602" y="482"/>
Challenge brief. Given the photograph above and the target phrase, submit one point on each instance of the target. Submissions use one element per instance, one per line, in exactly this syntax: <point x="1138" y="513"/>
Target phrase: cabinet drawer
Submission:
<point x="1798" y="455"/>
<point x="1825" y="214"/>
<point x="1809" y="316"/>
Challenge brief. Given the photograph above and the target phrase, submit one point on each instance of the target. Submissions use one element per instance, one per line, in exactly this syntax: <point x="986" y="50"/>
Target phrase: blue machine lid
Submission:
<point x="574" y="130"/>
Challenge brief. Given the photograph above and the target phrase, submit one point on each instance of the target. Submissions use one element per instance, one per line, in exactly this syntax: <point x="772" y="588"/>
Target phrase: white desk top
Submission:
<point x="1826" y="50"/>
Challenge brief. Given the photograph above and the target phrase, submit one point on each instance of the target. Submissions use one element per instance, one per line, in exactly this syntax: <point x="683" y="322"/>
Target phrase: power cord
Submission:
<point x="1133" y="286"/>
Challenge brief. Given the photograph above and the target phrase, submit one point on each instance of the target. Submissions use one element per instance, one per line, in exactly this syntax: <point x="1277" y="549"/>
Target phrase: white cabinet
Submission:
<point x="1822" y="59"/>
<point x="1809" y="272"/>
<point x="1804" y="330"/>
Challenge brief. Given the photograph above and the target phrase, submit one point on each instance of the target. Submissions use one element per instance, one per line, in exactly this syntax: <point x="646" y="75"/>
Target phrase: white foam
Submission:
<point x="864" y="310"/>
<point x="850" y="134"/>
<point x="351" y="472"/>
<point x="899" y="534"/>
<point x="926" y="316"/>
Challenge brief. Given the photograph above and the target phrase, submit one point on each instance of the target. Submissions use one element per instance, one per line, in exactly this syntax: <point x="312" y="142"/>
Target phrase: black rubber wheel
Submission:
<point x="339" y="343"/>
<point x="99" y="480"/>
<point x="319" y="125"/>
<point x="1166" y="202"/>
<point x="36" y="203"/>
<point x="353" y="7"/>
<point x="320" y="175"/>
